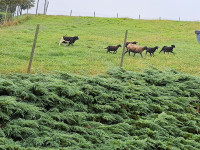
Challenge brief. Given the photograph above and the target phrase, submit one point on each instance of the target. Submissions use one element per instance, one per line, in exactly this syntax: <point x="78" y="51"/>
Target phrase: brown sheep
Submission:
<point x="135" y="49"/>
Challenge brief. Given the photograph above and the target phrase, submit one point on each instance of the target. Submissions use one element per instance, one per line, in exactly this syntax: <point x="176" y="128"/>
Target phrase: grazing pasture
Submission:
<point x="87" y="55"/>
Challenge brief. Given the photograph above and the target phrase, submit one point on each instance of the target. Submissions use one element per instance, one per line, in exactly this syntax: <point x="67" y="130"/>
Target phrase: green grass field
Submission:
<point x="88" y="56"/>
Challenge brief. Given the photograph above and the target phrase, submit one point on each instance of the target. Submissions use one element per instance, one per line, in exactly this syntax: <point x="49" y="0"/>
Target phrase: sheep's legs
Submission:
<point x="109" y="51"/>
<point x="61" y="40"/>
<point x="125" y="52"/>
<point x="141" y="55"/>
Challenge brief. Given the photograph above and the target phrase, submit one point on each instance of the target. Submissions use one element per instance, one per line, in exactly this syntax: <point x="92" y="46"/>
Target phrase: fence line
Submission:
<point x="117" y="15"/>
<point x="44" y="4"/>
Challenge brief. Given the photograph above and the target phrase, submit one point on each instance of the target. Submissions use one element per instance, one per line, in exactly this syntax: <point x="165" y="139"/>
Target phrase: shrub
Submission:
<point x="119" y="110"/>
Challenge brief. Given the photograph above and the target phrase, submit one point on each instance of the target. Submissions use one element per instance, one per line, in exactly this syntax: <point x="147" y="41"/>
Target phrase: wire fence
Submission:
<point x="41" y="7"/>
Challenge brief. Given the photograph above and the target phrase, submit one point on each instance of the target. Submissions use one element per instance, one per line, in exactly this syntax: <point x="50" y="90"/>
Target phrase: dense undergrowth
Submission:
<point x="153" y="110"/>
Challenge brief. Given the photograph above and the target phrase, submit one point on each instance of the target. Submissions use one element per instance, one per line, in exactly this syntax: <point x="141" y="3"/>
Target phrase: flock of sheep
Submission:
<point x="134" y="48"/>
<point x="130" y="46"/>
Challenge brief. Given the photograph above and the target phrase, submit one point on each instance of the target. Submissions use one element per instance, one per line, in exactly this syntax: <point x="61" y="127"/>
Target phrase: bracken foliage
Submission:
<point x="122" y="110"/>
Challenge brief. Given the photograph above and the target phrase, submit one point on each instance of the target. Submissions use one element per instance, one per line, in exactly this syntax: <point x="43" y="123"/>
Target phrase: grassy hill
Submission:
<point x="142" y="109"/>
<point x="120" y="110"/>
<point x="88" y="56"/>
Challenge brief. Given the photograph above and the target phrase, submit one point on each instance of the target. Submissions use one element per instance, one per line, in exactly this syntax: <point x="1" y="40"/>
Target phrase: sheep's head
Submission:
<point x="173" y="46"/>
<point x="134" y="42"/>
<point x="76" y="38"/>
<point x="156" y="47"/>
<point x="119" y="45"/>
<point x="144" y="48"/>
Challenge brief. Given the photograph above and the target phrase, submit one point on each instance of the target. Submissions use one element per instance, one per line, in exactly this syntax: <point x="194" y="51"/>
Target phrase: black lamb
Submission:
<point x="151" y="50"/>
<point x="168" y="49"/>
<point x="112" y="48"/>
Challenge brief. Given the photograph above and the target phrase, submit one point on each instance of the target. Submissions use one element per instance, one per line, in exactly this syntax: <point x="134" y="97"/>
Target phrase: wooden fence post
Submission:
<point x="117" y="15"/>
<point x="33" y="48"/>
<point x="122" y="59"/>
<point x="139" y="17"/>
<point x="94" y="13"/>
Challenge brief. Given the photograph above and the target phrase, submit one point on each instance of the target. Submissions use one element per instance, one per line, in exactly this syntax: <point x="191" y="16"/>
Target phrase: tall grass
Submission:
<point x="88" y="55"/>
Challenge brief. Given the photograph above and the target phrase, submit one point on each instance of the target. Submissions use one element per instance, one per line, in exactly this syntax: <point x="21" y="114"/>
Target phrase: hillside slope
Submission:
<point x="88" y="56"/>
<point x="153" y="110"/>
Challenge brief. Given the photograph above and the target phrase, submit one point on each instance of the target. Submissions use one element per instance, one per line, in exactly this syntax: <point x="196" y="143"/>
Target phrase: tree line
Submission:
<point x="8" y="8"/>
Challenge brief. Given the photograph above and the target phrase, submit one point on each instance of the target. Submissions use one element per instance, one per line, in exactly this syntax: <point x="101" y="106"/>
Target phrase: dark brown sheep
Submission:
<point x="112" y="48"/>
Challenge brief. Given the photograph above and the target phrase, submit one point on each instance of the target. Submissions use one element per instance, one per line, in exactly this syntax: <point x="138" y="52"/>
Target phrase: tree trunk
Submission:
<point x="5" y="21"/>
<point x="47" y="7"/>
<point x="17" y="11"/>
<point x="37" y="7"/>
<point x="45" y="3"/>
<point x="27" y="9"/>
<point x="20" y="10"/>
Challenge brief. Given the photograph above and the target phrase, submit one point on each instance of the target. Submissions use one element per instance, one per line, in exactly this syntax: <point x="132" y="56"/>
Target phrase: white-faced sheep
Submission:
<point x="135" y="49"/>
<point x="168" y="49"/>
<point x="112" y="48"/>
<point x="151" y="50"/>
